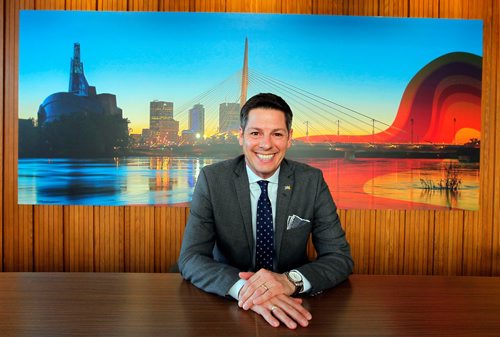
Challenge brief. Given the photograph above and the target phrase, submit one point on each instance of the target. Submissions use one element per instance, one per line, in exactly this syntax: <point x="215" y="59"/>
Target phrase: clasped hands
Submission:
<point x="269" y="295"/>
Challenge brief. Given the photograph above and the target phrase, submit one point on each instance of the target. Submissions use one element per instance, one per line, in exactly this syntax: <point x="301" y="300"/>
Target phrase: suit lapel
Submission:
<point x="240" y="178"/>
<point x="284" y="195"/>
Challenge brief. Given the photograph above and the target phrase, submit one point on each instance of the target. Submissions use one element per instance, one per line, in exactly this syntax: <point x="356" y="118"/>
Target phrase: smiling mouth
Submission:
<point x="265" y="157"/>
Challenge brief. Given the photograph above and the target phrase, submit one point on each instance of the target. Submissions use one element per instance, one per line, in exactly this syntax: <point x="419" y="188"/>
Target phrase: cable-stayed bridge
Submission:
<point x="313" y="115"/>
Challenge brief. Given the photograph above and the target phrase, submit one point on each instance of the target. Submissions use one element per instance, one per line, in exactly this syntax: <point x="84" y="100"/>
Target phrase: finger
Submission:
<point x="260" y="291"/>
<point x="262" y="298"/>
<point x="268" y="316"/>
<point x="275" y="289"/>
<point x="284" y="317"/>
<point x="251" y="281"/>
<point x="296" y="311"/>
<point x="253" y="288"/>
<point x="245" y="275"/>
<point x="299" y="307"/>
<point x="247" y="291"/>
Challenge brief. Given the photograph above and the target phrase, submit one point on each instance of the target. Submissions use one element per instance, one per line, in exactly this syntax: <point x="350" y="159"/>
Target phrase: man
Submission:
<point x="261" y="260"/>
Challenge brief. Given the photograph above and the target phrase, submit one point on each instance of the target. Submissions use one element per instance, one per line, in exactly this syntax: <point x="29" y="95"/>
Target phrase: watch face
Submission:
<point x="295" y="276"/>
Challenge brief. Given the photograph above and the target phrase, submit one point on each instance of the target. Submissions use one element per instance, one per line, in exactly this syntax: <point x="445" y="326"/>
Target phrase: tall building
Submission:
<point x="162" y="125"/>
<point x="197" y="119"/>
<point x="229" y="117"/>
<point x="159" y="112"/>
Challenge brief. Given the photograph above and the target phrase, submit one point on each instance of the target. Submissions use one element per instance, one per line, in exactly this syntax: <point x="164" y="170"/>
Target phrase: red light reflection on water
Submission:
<point x="348" y="180"/>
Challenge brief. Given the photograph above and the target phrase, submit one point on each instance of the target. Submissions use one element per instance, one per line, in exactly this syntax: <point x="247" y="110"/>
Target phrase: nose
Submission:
<point x="265" y="142"/>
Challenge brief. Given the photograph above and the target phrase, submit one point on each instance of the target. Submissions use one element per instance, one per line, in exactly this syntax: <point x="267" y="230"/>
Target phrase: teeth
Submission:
<point x="265" y="156"/>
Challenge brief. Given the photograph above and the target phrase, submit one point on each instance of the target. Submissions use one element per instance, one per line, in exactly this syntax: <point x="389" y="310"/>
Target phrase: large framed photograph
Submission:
<point x="125" y="108"/>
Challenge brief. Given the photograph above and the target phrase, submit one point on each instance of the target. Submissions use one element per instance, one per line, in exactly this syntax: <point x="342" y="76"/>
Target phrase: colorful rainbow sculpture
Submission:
<point x="441" y="105"/>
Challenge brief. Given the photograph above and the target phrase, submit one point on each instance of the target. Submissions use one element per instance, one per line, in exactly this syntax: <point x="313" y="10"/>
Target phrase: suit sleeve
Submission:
<point x="196" y="260"/>
<point x="334" y="262"/>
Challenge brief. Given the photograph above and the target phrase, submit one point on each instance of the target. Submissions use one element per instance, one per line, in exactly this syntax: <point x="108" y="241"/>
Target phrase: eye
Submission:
<point x="254" y="133"/>
<point x="278" y="134"/>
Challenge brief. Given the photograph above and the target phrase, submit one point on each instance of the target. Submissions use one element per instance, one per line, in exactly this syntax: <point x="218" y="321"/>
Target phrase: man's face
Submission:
<point x="265" y="140"/>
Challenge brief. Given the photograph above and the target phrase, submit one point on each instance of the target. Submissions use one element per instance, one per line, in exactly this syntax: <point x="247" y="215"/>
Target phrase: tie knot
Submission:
<point x="263" y="185"/>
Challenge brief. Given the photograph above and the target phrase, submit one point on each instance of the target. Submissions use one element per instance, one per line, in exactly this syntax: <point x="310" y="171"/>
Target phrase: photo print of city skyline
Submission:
<point x="125" y="108"/>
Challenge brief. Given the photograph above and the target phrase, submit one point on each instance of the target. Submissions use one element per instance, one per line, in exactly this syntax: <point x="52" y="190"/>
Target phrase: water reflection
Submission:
<point x="361" y="183"/>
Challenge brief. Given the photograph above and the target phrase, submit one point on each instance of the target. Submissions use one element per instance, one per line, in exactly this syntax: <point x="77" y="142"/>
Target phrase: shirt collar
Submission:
<point x="253" y="178"/>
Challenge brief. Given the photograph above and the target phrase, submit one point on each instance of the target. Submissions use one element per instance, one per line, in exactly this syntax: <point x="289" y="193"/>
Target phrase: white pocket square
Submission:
<point x="295" y="221"/>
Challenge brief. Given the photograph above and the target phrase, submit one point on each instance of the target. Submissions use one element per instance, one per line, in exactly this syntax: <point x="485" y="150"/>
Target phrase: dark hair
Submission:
<point x="266" y="101"/>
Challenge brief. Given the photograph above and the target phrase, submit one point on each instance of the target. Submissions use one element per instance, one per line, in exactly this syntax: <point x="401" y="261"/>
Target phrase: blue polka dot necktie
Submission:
<point x="265" y="235"/>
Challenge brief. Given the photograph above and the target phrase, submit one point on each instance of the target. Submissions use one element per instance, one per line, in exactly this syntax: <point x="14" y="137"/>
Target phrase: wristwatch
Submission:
<point x="296" y="278"/>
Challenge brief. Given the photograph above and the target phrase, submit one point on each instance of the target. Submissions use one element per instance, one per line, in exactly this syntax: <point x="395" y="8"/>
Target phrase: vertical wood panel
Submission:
<point x="176" y="5"/>
<point x="139" y="239"/>
<point x="24" y="4"/>
<point x="419" y="242"/>
<point x="360" y="226"/>
<point x="81" y="4"/>
<point x="11" y="245"/>
<point x="236" y="6"/>
<point x="328" y="7"/>
<point x="398" y="8"/>
<point x="2" y="116"/>
<point x="266" y="6"/>
<point x="450" y="9"/>
<point x="494" y="220"/>
<point x="25" y="261"/>
<point x="297" y="7"/>
<point x="144" y="5"/>
<point x="254" y="6"/>
<point x="210" y="5"/>
<point x="389" y="242"/>
<point x="112" y="5"/>
<point x="49" y="4"/>
<point x="424" y="8"/>
<point x="448" y="241"/>
<point x="489" y="117"/>
<point x="78" y="238"/>
<point x="477" y="9"/>
<point x="178" y="228"/>
<point x="169" y="229"/>
<point x="48" y="225"/>
<point x="362" y="7"/>
<point x="473" y="243"/>
<point x="109" y="239"/>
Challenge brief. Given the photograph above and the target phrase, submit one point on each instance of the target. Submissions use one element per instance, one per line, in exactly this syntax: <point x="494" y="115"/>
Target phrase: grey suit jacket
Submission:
<point x="218" y="241"/>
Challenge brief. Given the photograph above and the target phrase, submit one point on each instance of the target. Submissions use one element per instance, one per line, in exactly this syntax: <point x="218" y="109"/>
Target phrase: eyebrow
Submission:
<point x="274" y="130"/>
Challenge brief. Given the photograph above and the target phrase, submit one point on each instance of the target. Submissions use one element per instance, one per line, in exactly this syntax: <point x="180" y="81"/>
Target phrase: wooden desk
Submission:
<point x="107" y="304"/>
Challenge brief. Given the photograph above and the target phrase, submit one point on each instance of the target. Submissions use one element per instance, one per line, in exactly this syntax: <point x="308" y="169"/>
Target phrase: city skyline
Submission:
<point x="363" y="63"/>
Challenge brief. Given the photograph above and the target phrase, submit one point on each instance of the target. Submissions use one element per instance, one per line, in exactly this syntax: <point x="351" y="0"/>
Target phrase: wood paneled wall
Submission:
<point x="147" y="239"/>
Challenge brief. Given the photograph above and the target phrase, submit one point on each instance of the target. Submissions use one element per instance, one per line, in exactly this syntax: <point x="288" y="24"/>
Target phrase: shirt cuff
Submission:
<point x="234" y="291"/>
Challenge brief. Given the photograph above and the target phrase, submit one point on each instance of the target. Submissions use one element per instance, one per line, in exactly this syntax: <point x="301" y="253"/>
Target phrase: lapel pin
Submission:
<point x="288" y="187"/>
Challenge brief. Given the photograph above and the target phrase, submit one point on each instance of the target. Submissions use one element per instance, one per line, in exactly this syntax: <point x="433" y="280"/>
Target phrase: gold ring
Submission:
<point x="264" y="285"/>
<point x="274" y="307"/>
